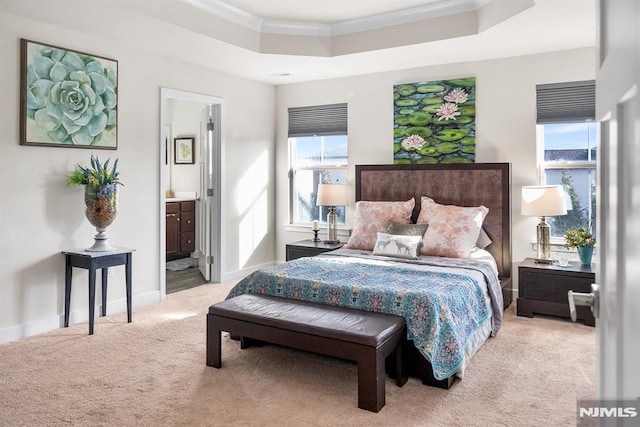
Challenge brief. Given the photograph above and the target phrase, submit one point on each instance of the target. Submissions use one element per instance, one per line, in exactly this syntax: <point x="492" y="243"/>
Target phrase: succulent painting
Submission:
<point x="71" y="97"/>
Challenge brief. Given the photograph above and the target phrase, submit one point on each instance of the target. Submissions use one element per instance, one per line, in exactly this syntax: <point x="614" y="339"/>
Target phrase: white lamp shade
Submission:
<point x="543" y="200"/>
<point x="332" y="195"/>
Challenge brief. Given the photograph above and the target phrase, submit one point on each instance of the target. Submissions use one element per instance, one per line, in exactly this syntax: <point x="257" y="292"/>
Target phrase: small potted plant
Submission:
<point x="100" y="196"/>
<point x="583" y="241"/>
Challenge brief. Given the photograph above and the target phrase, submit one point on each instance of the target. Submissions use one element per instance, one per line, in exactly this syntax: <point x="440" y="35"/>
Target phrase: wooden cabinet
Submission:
<point x="309" y="248"/>
<point x="181" y="229"/>
<point x="543" y="289"/>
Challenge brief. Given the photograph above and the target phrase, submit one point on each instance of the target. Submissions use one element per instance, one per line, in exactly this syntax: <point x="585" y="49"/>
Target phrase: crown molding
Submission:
<point x="399" y="17"/>
<point x="231" y="13"/>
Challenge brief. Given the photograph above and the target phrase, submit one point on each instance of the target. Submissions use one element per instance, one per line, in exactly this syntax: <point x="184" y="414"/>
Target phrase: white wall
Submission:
<point x="505" y="121"/>
<point x="185" y="123"/>
<point x="40" y="216"/>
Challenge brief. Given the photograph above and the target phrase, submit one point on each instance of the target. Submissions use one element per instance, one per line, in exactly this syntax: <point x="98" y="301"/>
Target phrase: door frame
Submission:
<point x="218" y="152"/>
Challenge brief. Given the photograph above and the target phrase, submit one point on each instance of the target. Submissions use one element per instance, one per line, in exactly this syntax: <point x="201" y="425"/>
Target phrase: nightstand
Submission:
<point x="309" y="248"/>
<point x="543" y="288"/>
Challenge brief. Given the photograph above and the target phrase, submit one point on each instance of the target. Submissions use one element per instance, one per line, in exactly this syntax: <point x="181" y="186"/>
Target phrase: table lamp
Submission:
<point x="543" y="201"/>
<point x="332" y="195"/>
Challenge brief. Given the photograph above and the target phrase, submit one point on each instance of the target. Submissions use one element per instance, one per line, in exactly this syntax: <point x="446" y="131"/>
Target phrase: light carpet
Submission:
<point x="152" y="372"/>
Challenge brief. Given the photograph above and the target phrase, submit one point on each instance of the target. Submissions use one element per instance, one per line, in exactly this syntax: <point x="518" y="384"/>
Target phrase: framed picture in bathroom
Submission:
<point x="183" y="153"/>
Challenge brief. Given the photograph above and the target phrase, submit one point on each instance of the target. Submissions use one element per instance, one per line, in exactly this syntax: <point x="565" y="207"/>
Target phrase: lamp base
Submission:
<point x="544" y="261"/>
<point x="332" y="242"/>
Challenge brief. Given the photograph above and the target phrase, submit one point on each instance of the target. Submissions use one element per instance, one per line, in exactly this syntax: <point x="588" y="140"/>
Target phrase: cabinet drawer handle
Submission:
<point x="178" y="219"/>
<point x="171" y="214"/>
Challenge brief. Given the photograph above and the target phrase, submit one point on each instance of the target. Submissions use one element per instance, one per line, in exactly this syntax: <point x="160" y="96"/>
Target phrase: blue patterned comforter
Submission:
<point x="443" y="307"/>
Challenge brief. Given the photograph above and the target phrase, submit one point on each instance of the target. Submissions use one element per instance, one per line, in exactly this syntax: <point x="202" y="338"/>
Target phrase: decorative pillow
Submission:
<point x="483" y="240"/>
<point x="372" y="217"/>
<point x="453" y="230"/>
<point x="400" y="246"/>
<point x="401" y="229"/>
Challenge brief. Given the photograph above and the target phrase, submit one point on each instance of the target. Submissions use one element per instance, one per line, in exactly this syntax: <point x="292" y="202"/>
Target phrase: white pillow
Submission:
<point x="398" y="246"/>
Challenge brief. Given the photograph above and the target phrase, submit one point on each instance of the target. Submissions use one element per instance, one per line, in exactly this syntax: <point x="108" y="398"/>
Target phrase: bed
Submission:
<point x="451" y="305"/>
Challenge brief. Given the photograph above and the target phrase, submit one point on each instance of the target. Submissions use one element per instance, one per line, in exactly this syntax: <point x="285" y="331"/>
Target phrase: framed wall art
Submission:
<point x="183" y="153"/>
<point x="67" y="98"/>
<point x="435" y="122"/>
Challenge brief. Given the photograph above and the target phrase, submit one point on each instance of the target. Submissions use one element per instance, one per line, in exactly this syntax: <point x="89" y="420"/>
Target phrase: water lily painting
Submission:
<point x="68" y="98"/>
<point x="435" y="122"/>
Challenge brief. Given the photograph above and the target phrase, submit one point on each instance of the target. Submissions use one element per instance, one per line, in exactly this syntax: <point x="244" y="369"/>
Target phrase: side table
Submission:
<point x="543" y="288"/>
<point x="93" y="261"/>
<point x="308" y="247"/>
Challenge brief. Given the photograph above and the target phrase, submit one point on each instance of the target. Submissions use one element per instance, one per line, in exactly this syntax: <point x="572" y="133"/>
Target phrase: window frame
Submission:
<point x="544" y="165"/>
<point x="293" y="171"/>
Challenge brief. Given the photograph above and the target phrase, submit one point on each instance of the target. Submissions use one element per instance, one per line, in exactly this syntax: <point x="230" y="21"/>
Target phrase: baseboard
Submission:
<point x="25" y="330"/>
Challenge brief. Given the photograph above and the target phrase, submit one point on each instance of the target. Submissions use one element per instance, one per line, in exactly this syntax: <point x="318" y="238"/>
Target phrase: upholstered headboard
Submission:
<point x="487" y="184"/>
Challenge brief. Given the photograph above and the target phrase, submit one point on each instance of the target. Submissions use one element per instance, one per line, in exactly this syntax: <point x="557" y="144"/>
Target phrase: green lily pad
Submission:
<point x="396" y="96"/>
<point x="402" y="121"/>
<point x="469" y="149"/>
<point x="449" y="135"/>
<point x="405" y="90"/>
<point x="455" y="160"/>
<point x="406" y="102"/>
<point x="427" y="161"/>
<point x="432" y="100"/>
<point x="396" y="148"/>
<point x="429" y="151"/>
<point x="469" y="140"/>
<point x="463" y="120"/>
<point x="468" y="81"/>
<point x="430" y="88"/>
<point x="420" y="119"/>
<point x="467" y="110"/>
<point x="431" y="109"/>
<point x="402" y="161"/>
<point x="420" y="131"/>
<point x="398" y="132"/>
<point x="406" y="111"/>
<point x="447" y="148"/>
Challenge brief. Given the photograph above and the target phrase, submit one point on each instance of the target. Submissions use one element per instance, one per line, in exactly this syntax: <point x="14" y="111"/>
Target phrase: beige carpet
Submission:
<point x="152" y="373"/>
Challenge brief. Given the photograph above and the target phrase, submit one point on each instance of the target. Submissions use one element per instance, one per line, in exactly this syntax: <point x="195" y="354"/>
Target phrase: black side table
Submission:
<point x="543" y="288"/>
<point x="306" y="248"/>
<point x="93" y="261"/>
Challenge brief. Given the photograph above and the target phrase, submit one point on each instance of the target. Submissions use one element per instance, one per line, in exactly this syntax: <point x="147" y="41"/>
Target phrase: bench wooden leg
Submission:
<point x="214" y="343"/>
<point x="401" y="375"/>
<point x="371" y="377"/>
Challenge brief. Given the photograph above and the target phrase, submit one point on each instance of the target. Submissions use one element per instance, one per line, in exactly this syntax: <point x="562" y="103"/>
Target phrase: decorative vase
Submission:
<point x="102" y="207"/>
<point x="585" y="253"/>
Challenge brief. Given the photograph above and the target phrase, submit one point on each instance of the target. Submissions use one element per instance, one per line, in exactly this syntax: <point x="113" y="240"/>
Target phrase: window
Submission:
<point x="318" y="155"/>
<point x="567" y="144"/>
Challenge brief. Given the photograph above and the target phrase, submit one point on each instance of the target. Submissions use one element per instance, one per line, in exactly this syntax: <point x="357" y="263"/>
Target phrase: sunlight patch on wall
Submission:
<point x="253" y="228"/>
<point x="252" y="207"/>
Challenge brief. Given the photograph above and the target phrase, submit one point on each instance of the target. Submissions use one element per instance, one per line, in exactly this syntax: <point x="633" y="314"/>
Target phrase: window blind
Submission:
<point x="328" y="119"/>
<point x="566" y="102"/>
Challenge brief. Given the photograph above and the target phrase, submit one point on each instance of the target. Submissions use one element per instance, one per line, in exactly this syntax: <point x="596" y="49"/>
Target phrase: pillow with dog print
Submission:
<point x="398" y="246"/>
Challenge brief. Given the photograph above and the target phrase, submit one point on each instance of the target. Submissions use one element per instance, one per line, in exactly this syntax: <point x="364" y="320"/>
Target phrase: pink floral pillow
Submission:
<point x="372" y="217"/>
<point x="453" y="230"/>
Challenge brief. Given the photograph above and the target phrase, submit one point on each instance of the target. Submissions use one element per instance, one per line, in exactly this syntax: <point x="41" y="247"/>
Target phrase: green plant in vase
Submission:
<point x="582" y="240"/>
<point x="100" y="197"/>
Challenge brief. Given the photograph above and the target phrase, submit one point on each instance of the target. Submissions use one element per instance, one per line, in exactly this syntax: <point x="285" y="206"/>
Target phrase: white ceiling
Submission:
<point x="287" y="41"/>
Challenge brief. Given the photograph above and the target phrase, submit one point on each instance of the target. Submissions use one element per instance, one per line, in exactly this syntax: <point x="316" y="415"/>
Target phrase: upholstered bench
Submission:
<point x="360" y="336"/>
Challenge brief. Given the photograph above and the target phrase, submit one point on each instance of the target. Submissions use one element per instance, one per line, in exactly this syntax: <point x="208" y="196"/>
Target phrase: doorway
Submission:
<point x="207" y="179"/>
